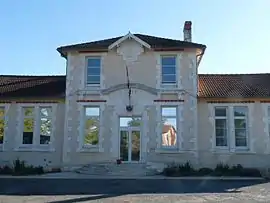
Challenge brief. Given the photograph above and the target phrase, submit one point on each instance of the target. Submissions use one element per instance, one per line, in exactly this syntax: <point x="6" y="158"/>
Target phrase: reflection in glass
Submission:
<point x="124" y="145"/>
<point x="130" y="121"/>
<point x="169" y="134"/>
<point x="135" y="154"/>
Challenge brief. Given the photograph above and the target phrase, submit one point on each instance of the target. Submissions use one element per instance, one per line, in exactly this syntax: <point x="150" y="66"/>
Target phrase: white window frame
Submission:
<point x="177" y="127"/>
<point x="36" y="146"/>
<point x="86" y="71"/>
<point x="169" y="85"/>
<point x="5" y="117"/>
<point x="231" y="132"/>
<point x="86" y="147"/>
<point x="227" y="126"/>
<point x="247" y="128"/>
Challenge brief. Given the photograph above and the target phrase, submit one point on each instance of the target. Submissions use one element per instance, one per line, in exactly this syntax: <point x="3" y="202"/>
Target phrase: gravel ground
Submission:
<point x="124" y="191"/>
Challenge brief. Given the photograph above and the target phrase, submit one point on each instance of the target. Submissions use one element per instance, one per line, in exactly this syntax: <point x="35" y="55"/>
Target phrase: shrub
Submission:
<point x="205" y="171"/>
<point x="21" y="168"/>
<point x="222" y="170"/>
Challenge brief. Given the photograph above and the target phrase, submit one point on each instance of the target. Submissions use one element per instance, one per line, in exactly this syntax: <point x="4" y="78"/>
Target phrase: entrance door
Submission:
<point x="130" y="141"/>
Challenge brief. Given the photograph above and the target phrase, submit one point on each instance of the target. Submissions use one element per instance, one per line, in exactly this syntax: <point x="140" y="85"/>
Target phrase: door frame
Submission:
<point x="129" y="129"/>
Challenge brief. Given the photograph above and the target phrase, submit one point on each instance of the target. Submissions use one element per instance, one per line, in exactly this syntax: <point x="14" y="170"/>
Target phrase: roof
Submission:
<point x="210" y="86"/>
<point x="234" y="85"/>
<point x="154" y="41"/>
<point x="32" y="86"/>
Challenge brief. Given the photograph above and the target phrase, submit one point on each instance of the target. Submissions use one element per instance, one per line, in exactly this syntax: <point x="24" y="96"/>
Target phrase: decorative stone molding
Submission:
<point x="132" y="85"/>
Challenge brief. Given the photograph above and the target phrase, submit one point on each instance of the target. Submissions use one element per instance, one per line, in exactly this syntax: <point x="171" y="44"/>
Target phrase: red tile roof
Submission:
<point x="210" y="86"/>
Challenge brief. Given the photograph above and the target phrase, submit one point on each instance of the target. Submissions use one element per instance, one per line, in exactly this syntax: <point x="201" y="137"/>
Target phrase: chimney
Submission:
<point x="187" y="31"/>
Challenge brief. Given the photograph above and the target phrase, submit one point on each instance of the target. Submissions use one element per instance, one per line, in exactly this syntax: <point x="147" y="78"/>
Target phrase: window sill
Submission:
<point x="227" y="151"/>
<point x="34" y="149"/>
<point x="94" y="149"/>
<point x="169" y="151"/>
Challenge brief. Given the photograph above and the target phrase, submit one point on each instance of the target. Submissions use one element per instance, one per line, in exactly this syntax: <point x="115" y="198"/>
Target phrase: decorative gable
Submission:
<point x="129" y="47"/>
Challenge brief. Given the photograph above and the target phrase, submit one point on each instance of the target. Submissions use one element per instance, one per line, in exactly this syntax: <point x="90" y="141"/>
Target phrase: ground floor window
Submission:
<point x="36" y="125"/>
<point x="2" y="124"/>
<point x="231" y="123"/>
<point x="91" y="126"/>
<point x="169" y="126"/>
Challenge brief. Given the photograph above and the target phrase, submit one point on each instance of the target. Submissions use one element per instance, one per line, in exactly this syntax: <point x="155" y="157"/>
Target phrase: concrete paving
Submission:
<point x="130" y="190"/>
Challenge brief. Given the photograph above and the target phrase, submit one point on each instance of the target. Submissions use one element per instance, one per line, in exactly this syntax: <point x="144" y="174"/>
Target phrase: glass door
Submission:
<point x="130" y="145"/>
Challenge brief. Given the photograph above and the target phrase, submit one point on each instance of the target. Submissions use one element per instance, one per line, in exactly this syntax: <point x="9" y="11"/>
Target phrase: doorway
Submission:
<point x="130" y="139"/>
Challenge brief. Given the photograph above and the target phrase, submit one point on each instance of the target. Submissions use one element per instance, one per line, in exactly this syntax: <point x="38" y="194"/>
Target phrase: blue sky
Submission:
<point x="237" y="33"/>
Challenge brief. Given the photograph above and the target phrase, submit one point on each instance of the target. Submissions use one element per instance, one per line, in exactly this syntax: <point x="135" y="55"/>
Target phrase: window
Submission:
<point x="240" y="126"/>
<point x="36" y="125"/>
<point x="91" y="125"/>
<point x="28" y="125"/>
<point x="45" y="125"/>
<point x="221" y="126"/>
<point x="93" y="71"/>
<point x="2" y="124"/>
<point x="169" y="126"/>
<point x="168" y="64"/>
<point x="268" y="111"/>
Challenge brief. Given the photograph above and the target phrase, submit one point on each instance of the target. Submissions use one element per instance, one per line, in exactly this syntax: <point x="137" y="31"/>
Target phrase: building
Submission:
<point x="118" y="98"/>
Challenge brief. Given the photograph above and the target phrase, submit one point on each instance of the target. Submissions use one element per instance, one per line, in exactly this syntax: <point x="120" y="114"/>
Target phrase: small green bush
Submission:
<point x="220" y="170"/>
<point x="21" y="168"/>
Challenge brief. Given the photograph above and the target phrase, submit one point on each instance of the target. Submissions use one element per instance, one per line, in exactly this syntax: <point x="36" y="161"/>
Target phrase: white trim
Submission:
<point x="90" y="148"/>
<point x="231" y="129"/>
<point x="128" y="36"/>
<point x="36" y="146"/>
<point x="5" y="117"/>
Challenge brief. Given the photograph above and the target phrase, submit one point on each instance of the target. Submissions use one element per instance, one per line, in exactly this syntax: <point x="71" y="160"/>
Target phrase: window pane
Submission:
<point x="168" y="60"/>
<point x="240" y="138"/>
<point x="240" y="111"/>
<point x="268" y="111"/>
<point x="168" y="111"/>
<point x="168" y="78"/>
<point x="169" y="133"/>
<point x="92" y="111"/>
<point x="45" y="131"/>
<point x="93" y="79"/>
<point x="2" y="128"/>
<point x="28" y="111"/>
<point x="28" y="129"/>
<point x="130" y="121"/>
<point x="221" y="142"/>
<point x="240" y="123"/>
<point x="221" y="123"/>
<point x="220" y="111"/>
<point x="94" y="62"/>
<point x="168" y="70"/>
<point x="240" y="142"/>
<point x="91" y="132"/>
<point x="45" y="111"/>
<point x="221" y="137"/>
<point x="93" y="71"/>
<point x="2" y="112"/>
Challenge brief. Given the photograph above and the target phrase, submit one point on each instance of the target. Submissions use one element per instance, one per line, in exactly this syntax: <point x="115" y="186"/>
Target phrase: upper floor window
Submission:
<point x="168" y="69"/>
<point x="93" y="70"/>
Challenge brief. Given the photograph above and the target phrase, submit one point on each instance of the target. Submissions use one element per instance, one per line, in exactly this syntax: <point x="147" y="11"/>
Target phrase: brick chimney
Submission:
<point x="187" y="31"/>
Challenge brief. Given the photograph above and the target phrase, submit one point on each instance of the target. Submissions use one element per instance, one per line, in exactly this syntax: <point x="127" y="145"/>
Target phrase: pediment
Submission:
<point x="129" y="47"/>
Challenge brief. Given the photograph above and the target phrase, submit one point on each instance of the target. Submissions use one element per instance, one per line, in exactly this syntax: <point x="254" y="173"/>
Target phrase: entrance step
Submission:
<point x="112" y="169"/>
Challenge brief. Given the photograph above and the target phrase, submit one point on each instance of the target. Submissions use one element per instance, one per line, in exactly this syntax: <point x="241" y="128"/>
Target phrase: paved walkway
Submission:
<point x="124" y="191"/>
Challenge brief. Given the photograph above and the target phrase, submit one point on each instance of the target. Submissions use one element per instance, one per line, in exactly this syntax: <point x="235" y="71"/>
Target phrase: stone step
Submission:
<point x="116" y="170"/>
